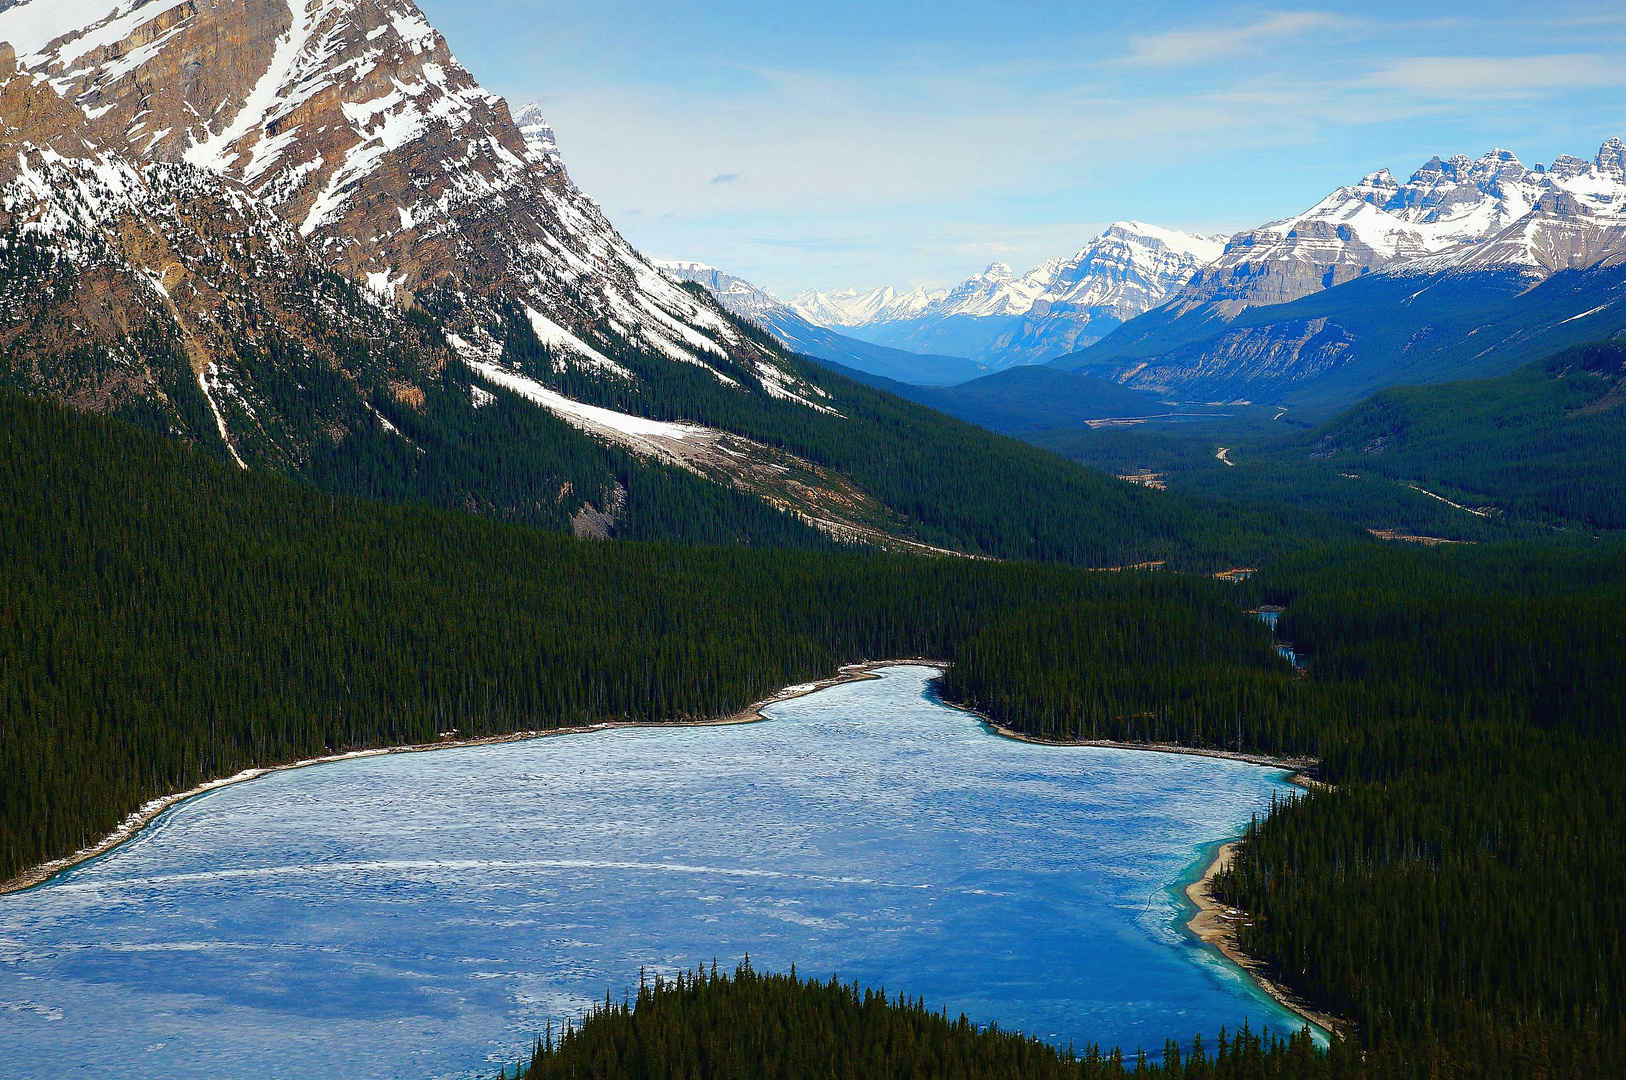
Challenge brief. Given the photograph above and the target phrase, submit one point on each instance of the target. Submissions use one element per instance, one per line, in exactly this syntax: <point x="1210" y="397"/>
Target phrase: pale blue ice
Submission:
<point x="425" y="915"/>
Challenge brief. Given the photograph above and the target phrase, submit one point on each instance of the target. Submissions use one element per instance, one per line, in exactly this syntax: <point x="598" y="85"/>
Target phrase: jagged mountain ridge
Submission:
<point x="1461" y="214"/>
<point x="352" y="119"/>
<point x="762" y="307"/>
<point x="1000" y="318"/>
<point x="1448" y="208"/>
<point x="1381" y="283"/>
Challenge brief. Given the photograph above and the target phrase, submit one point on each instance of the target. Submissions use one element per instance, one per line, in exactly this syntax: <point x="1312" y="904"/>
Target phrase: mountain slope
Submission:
<point x="1545" y="441"/>
<point x="391" y="287"/>
<point x="1034" y="397"/>
<point x="169" y="295"/>
<point x="1326" y="351"/>
<point x="742" y="299"/>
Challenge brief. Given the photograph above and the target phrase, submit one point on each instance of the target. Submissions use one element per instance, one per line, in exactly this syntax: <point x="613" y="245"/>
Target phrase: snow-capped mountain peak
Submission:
<point x="851" y="308"/>
<point x="1445" y="208"/>
<point x="539" y="137"/>
<point x="1061" y="304"/>
<point x="1611" y="160"/>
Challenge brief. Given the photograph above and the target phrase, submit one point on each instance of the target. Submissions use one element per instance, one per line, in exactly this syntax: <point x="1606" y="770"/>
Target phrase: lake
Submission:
<point x="426" y="915"/>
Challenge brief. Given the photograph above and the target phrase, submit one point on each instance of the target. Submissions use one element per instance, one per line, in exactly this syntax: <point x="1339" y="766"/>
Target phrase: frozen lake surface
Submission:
<point x="425" y="915"/>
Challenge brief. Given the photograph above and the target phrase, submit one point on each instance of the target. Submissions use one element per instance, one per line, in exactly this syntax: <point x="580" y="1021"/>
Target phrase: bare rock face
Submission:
<point x="167" y="292"/>
<point x="354" y="122"/>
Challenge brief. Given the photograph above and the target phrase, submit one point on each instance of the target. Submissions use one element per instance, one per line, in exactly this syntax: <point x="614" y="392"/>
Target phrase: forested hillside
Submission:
<point x="750" y="1025"/>
<point x="1537" y="453"/>
<point x="953" y="485"/>
<point x="169" y="619"/>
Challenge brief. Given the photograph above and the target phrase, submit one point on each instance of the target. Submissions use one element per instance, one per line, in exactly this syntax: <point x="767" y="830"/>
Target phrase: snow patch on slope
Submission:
<point x="554" y="336"/>
<point x="267" y="94"/>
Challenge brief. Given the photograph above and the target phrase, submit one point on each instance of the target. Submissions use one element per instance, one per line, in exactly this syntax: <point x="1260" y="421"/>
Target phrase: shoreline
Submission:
<point x="1215" y="925"/>
<point x="1300" y="768"/>
<point x="1212" y="923"/>
<point x="138" y="820"/>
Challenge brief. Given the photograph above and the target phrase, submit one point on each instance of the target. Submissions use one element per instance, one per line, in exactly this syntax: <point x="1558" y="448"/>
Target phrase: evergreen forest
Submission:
<point x="707" y="1026"/>
<point x="167" y="619"/>
<point x="1453" y="891"/>
<point x="1533" y="454"/>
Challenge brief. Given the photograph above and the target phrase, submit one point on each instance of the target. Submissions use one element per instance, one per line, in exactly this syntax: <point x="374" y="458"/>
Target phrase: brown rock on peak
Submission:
<point x="352" y="119"/>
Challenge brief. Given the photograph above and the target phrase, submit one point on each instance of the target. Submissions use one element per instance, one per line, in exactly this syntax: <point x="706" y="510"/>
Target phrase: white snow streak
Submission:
<point x="220" y="421"/>
<point x="266" y="95"/>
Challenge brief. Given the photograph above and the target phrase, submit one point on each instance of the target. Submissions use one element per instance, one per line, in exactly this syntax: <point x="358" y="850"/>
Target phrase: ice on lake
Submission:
<point x="427" y="915"/>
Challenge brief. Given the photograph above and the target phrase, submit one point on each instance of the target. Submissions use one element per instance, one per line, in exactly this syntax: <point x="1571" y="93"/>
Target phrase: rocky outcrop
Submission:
<point x="162" y="290"/>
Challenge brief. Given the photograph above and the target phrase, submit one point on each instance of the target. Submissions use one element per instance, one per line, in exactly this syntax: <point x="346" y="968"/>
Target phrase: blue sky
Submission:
<point x="874" y="143"/>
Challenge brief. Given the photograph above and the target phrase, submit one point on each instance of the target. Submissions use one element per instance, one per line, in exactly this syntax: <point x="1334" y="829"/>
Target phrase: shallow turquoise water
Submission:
<point x="425" y="915"/>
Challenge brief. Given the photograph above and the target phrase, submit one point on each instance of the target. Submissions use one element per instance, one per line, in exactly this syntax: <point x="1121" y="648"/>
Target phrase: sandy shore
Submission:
<point x="1215" y="924"/>
<point x="141" y="818"/>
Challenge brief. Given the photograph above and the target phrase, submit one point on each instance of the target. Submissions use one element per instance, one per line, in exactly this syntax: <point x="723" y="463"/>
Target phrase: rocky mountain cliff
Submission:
<point x="352" y="120"/>
<point x="206" y="183"/>
<point x="1001" y="319"/>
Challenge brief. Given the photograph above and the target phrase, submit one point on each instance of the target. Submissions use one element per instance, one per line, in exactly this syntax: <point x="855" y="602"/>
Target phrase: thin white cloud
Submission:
<point x="1503" y="77"/>
<point x="916" y="171"/>
<point x="1209" y="45"/>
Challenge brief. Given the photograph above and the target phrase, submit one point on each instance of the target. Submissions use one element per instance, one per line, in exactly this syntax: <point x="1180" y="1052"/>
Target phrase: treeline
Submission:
<point x="166" y="619"/>
<point x="1460" y="895"/>
<point x="706" y="1026"/>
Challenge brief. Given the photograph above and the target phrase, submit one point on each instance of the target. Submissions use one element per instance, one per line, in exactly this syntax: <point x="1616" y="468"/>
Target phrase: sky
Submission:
<point x="859" y="144"/>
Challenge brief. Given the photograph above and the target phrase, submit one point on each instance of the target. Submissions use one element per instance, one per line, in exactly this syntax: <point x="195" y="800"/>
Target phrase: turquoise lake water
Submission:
<point x="425" y="915"/>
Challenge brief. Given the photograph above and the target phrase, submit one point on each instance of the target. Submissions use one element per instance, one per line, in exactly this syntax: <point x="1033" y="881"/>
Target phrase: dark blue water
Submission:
<point x="426" y="915"/>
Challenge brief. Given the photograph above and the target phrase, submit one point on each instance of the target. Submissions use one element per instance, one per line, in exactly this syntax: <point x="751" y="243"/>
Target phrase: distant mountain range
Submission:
<point x="1001" y="319"/>
<point x="1472" y="266"/>
<point x="745" y="300"/>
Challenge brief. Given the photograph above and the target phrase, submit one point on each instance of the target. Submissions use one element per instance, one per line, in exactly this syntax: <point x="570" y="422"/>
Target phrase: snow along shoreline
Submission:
<point x="1213" y="923"/>
<point x="132" y="825"/>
